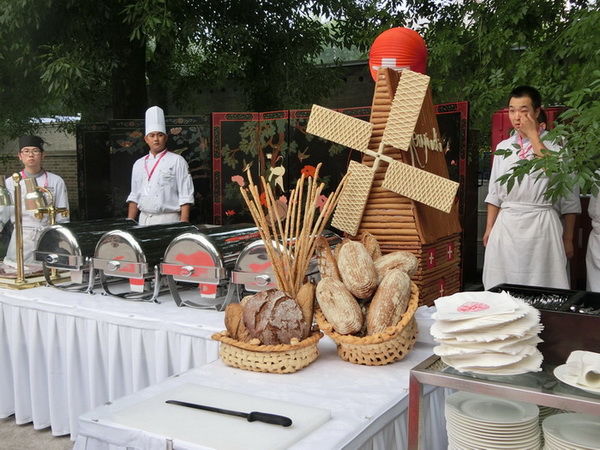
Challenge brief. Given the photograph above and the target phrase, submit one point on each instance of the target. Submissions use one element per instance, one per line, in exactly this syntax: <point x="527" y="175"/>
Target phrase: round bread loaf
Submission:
<point x="403" y="260"/>
<point x="357" y="270"/>
<point x="339" y="306"/>
<point x="274" y="318"/>
<point x="390" y="301"/>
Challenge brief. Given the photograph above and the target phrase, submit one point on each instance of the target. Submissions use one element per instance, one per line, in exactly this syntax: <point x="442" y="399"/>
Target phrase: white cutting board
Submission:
<point x="220" y="431"/>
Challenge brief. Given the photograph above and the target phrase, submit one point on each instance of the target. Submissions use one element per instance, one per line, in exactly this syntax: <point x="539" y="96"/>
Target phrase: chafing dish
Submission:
<point x="253" y="271"/>
<point x="202" y="261"/>
<point x="135" y="254"/>
<point x="70" y="247"/>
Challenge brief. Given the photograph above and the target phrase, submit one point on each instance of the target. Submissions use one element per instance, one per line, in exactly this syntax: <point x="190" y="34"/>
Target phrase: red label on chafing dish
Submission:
<point x="129" y="268"/>
<point x="260" y="268"/>
<point x="243" y="237"/>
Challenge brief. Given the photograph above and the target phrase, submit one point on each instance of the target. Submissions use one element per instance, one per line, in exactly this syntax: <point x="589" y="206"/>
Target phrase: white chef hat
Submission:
<point x="155" y="120"/>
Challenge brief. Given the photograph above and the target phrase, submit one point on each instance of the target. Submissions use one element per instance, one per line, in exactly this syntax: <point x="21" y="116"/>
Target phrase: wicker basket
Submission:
<point x="283" y="358"/>
<point x="378" y="349"/>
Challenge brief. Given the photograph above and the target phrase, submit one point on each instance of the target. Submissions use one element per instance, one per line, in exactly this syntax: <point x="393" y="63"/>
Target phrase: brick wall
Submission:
<point x="60" y="157"/>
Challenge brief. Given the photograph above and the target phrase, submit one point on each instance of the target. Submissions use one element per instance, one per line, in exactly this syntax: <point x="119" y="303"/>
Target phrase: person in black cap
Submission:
<point x="31" y="154"/>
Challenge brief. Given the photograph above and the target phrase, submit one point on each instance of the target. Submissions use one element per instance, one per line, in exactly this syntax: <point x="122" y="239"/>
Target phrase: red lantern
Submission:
<point x="398" y="48"/>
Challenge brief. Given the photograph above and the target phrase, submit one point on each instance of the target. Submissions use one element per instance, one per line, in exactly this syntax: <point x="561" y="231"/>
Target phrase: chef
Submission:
<point x="161" y="186"/>
<point x="592" y="257"/>
<point x="31" y="154"/>
<point x="524" y="238"/>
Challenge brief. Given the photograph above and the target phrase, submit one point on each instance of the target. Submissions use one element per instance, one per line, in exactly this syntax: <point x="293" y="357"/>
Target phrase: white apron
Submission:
<point x="526" y="247"/>
<point x="157" y="218"/>
<point x="32" y="230"/>
<point x="592" y="257"/>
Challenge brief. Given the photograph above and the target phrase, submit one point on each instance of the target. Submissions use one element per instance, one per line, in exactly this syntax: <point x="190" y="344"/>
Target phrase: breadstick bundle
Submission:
<point x="285" y="314"/>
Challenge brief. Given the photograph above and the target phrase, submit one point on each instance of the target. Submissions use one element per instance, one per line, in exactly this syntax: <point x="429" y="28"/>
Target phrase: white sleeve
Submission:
<point x="185" y="186"/>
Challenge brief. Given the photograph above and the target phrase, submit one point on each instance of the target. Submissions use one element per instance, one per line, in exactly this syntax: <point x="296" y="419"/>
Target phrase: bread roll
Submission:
<point x="339" y="306"/>
<point x="274" y="318"/>
<point x="233" y="316"/>
<point x="306" y="301"/>
<point x="234" y="322"/>
<point x="327" y="263"/>
<point x="371" y="244"/>
<point x="357" y="270"/>
<point x="403" y="260"/>
<point x="390" y="301"/>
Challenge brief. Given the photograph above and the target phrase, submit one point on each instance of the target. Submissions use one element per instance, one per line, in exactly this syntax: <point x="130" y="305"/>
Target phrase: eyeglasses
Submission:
<point x="31" y="152"/>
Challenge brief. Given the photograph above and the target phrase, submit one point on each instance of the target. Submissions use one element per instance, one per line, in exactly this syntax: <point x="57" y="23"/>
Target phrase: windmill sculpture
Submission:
<point x="404" y="206"/>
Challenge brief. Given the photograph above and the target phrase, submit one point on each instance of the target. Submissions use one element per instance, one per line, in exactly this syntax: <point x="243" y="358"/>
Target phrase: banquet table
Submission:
<point x="64" y="353"/>
<point x="368" y="406"/>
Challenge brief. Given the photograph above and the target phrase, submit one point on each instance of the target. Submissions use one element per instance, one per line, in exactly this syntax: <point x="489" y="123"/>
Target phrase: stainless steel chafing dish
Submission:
<point x="135" y="254"/>
<point x="253" y="271"/>
<point x="202" y="262"/>
<point x="70" y="247"/>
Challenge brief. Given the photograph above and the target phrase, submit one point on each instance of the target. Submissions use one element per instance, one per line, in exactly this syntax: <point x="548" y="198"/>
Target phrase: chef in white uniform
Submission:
<point x="31" y="154"/>
<point x="161" y="186"/>
<point x="525" y="241"/>
<point x="592" y="257"/>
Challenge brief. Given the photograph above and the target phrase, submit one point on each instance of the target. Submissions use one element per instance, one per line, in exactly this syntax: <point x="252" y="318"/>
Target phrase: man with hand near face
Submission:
<point x="31" y="154"/>
<point x="525" y="242"/>
<point x="161" y="186"/>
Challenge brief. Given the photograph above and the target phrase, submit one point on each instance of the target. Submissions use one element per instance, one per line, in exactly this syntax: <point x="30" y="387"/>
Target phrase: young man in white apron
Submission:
<point x="161" y="186"/>
<point x="31" y="154"/>
<point x="524" y="238"/>
<point x="592" y="257"/>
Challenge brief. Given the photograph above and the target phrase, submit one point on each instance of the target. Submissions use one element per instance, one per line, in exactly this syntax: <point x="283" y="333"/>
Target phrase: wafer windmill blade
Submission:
<point x="404" y="179"/>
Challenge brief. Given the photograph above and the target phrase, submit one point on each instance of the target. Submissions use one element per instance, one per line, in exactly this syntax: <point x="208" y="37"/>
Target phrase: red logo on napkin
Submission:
<point x="472" y="307"/>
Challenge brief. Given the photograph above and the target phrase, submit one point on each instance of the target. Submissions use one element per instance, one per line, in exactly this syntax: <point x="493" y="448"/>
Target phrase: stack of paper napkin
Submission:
<point x="487" y="333"/>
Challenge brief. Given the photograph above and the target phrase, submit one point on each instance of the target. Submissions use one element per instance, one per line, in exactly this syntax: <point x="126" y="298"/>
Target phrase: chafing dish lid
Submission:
<point x="77" y="238"/>
<point x="145" y="244"/>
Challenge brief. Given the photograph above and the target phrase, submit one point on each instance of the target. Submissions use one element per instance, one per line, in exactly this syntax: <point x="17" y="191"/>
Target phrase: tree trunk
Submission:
<point x="129" y="96"/>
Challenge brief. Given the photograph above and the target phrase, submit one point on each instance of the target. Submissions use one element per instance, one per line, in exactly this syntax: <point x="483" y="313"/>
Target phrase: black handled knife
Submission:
<point x="250" y="417"/>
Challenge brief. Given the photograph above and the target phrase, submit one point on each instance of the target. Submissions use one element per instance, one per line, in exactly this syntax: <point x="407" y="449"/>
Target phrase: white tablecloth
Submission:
<point x="63" y="353"/>
<point x="369" y="405"/>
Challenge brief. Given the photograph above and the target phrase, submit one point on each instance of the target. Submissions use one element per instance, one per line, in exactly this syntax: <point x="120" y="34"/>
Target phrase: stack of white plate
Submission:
<point x="487" y="333"/>
<point x="571" y="430"/>
<point x="475" y="421"/>
<point x="545" y="412"/>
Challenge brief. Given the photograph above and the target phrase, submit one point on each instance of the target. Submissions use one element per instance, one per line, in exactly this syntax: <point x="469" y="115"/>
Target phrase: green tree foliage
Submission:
<point x="112" y="58"/>
<point x="480" y="50"/>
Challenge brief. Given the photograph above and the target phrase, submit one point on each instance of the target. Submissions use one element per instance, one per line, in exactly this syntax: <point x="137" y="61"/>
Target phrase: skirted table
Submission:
<point x="65" y="353"/>
<point x="366" y="408"/>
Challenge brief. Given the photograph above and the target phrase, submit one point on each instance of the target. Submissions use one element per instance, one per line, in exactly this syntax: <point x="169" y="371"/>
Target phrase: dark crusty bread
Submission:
<point x="274" y="318"/>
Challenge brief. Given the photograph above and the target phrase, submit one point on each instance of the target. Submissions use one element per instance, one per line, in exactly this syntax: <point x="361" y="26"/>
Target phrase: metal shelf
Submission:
<point x="541" y="388"/>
